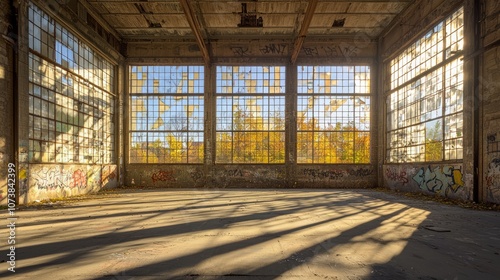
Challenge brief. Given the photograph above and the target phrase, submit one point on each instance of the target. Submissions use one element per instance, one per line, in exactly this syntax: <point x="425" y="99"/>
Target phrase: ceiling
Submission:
<point x="210" y="22"/>
<point x="215" y="20"/>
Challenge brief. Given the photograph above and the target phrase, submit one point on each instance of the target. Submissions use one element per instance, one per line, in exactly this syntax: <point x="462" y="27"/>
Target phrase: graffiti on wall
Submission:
<point x="360" y="172"/>
<point x="232" y="173"/>
<point x="267" y="174"/>
<point x="65" y="177"/>
<point x="23" y="181"/>
<point x="346" y="50"/>
<point x="240" y="51"/>
<point x="273" y="49"/>
<point x="310" y="51"/>
<point x="197" y="175"/>
<point x="335" y="174"/>
<point x="342" y="50"/>
<point x="440" y="179"/>
<point x="162" y="175"/>
<point x="314" y="173"/>
<point x="398" y="176"/>
<point x="493" y="181"/>
<point x="53" y="178"/>
<point x="493" y="143"/>
<point x="493" y="174"/>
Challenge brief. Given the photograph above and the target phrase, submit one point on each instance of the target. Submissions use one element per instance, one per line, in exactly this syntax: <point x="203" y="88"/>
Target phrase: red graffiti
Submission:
<point x="393" y="175"/>
<point x="79" y="179"/>
<point x="162" y="176"/>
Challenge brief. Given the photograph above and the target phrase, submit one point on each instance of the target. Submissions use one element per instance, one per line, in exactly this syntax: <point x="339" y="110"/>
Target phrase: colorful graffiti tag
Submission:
<point x="23" y="181"/>
<point x="78" y="179"/>
<point x="440" y="179"/>
<point x="53" y="178"/>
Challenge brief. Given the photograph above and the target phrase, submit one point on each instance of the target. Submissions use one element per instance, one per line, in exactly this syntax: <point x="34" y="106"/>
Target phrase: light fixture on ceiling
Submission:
<point x="249" y="19"/>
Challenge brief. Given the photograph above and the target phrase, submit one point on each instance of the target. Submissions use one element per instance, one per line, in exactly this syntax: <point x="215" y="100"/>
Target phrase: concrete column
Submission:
<point x="471" y="98"/>
<point x="291" y="125"/>
<point x="121" y="119"/>
<point x="22" y="126"/>
<point x="210" y="111"/>
<point x="7" y="45"/>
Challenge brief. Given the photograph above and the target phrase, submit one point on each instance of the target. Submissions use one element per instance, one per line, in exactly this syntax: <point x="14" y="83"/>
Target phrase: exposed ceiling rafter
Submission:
<point x="195" y="27"/>
<point x="311" y="7"/>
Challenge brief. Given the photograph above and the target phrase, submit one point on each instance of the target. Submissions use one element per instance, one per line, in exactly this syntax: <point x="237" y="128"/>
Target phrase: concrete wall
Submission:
<point x="48" y="181"/>
<point x="446" y="180"/>
<point x="482" y="100"/>
<point x="489" y="86"/>
<point x="251" y="176"/>
<point x="456" y="180"/>
<point x="37" y="181"/>
<point x="453" y="179"/>
<point x="360" y="50"/>
<point x="6" y="97"/>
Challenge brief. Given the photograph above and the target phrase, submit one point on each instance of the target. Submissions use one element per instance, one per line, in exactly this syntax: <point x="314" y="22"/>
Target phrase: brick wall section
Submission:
<point x="6" y="100"/>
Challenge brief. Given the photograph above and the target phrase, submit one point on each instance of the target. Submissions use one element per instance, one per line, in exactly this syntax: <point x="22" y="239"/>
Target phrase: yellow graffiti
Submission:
<point x="457" y="180"/>
<point x="22" y="174"/>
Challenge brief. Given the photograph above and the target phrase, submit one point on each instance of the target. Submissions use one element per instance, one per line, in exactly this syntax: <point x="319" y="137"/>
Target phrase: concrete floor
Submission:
<point x="255" y="234"/>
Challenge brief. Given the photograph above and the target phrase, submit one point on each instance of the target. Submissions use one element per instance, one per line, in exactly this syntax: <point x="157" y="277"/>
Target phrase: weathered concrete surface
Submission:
<point x="255" y="234"/>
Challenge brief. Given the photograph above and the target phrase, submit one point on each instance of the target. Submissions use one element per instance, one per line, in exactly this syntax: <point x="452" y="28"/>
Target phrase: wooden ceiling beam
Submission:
<point x="297" y="46"/>
<point x="195" y="27"/>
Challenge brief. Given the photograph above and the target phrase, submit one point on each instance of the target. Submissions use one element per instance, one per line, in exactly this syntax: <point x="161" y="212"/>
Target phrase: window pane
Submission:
<point x="424" y="110"/>
<point x="250" y="114"/>
<point x="167" y="114"/>
<point x="71" y="104"/>
<point x="333" y="114"/>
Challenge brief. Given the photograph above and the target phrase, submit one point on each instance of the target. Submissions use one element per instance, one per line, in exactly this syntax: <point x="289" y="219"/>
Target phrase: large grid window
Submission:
<point x="166" y="106"/>
<point x="425" y="103"/>
<point x="333" y="114"/>
<point x="71" y="108"/>
<point x="250" y="114"/>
